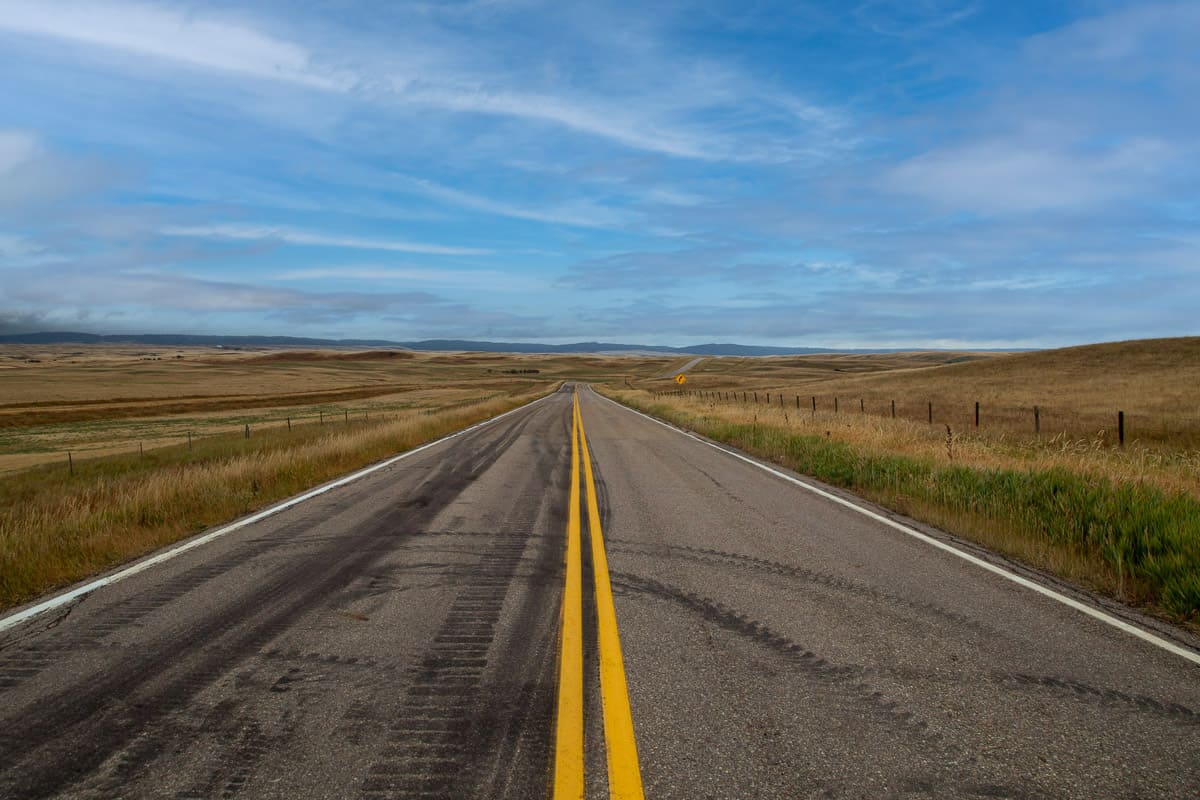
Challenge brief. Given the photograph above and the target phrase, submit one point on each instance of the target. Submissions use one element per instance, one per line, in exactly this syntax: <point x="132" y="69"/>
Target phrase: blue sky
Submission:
<point x="929" y="173"/>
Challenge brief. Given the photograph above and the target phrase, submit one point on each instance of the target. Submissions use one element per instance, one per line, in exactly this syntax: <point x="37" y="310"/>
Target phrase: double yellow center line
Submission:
<point x="624" y="774"/>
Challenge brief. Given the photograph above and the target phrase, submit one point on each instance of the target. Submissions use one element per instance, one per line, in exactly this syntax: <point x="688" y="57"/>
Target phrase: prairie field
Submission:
<point x="1077" y="390"/>
<point x="104" y="400"/>
<point x="167" y="441"/>
<point x="263" y="426"/>
<point x="1122" y="520"/>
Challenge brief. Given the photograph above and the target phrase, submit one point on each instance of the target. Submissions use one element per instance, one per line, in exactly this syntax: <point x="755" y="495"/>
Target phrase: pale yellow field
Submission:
<point x="1078" y="390"/>
<point x="102" y="400"/>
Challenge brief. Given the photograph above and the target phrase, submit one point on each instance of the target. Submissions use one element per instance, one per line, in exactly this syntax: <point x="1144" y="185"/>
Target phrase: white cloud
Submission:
<point x="586" y="215"/>
<point x="85" y="287"/>
<point x="658" y="118"/>
<point x="491" y="280"/>
<point x="912" y="18"/>
<point x="270" y="233"/>
<point x="592" y="119"/>
<point x="16" y="148"/>
<point x="33" y="176"/>
<point x="1143" y="36"/>
<point x="673" y="197"/>
<point x="171" y="35"/>
<point x="15" y="247"/>
<point x="1011" y="175"/>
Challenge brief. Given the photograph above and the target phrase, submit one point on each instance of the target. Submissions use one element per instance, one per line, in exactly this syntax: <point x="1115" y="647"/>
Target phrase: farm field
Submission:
<point x="104" y="400"/>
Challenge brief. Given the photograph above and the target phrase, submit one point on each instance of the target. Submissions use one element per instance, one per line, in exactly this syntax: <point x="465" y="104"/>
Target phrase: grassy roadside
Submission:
<point x="1131" y="539"/>
<point x="56" y="529"/>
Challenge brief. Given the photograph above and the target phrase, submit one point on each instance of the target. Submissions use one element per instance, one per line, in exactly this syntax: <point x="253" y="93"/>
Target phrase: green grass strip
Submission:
<point x="1147" y="540"/>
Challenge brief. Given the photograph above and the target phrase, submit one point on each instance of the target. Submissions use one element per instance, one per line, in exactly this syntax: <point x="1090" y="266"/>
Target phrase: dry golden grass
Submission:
<point x="1126" y="523"/>
<point x="1168" y="469"/>
<point x="33" y="376"/>
<point x="57" y="528"/>
<point x="126" y="412"/>
<point x="1078" y="390"/>
<point x="108" y="399"/>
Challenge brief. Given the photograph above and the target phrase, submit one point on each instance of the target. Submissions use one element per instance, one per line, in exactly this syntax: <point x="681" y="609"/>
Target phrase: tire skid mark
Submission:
<point x="116" y="707"/>
<point x="23" y="661"/>
<point x="453" y="735"/>
<point x="390" y="578"/>
<point x="1065" y="687"/>
<point x="1062" y="687"/>
<point x="837" y="583"/>
<point x="237" y="764"/>
<point x="324" y="659"/>
<point x="428" y="752"/>
<point x="148" y="726"/>
<point x="847" y="678"/>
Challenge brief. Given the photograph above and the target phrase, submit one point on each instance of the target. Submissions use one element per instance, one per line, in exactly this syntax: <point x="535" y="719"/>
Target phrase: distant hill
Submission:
<point x="457" y="345"/>
<point x="180" y="339"/>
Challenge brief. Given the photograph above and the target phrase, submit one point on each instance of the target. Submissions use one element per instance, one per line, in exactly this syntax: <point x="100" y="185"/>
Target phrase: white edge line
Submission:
<point x="62" y="599"/>
<point x="1095" y="613"/>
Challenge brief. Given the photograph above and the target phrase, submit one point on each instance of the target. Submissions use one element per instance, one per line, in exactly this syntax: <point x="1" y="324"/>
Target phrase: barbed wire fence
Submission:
<point x="1115" y="428"/>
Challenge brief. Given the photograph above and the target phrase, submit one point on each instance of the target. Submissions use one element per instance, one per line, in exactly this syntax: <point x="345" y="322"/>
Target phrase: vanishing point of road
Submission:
<point x="574" y="600"/>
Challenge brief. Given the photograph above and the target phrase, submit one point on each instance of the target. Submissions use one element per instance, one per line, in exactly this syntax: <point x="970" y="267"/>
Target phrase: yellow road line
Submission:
<point x="568" y="741"/>
<point x="624" y="773"/>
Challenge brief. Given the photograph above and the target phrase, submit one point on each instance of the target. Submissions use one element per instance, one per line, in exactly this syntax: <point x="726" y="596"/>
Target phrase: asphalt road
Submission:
<point x="682" y="370"/>
<point x="399" y="637"/>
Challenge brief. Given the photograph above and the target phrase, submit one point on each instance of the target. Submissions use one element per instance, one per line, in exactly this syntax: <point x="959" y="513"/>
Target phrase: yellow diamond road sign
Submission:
<point x="681" y="379"/>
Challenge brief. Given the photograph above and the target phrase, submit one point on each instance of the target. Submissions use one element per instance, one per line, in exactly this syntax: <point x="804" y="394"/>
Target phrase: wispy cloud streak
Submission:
<point x="285" y="235"/>
<point x="170" y="35"/>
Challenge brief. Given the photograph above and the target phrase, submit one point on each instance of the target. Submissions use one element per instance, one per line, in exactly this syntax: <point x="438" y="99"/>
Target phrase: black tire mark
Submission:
<point x="245" y="746"/>
<point x="837" y="583"/>
<point x="72" y="732"/>
<point x="431" y="743"/>
<point x="465" y="727"/>
<point x="847" y="679"/>
<point x="18" y="664"/>
<point x="1075" y="690"/>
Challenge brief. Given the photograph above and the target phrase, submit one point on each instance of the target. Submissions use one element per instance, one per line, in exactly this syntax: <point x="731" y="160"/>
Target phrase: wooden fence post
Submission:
<point x="1121" y="427"/>
<point x="70" y="463"/>
<point x="189" y="440"/>
<point x="930" y="412"/>
<point x="247" y="430"/>
<point x="893" y="409"/>
<point x="862" y="406"/>
<point x="976" y="413"/>
<point x="835" y="404"/>
<point x="814" y="405"/>
<point x="1037" y="420"/>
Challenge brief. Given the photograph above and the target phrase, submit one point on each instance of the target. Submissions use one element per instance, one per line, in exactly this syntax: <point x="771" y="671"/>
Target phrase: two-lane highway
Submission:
<point x="441" y="628"/>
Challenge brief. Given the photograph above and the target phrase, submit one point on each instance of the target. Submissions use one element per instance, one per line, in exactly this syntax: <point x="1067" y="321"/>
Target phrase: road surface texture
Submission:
<point x="402" y="636"/>
<point x="684" y="369"/>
